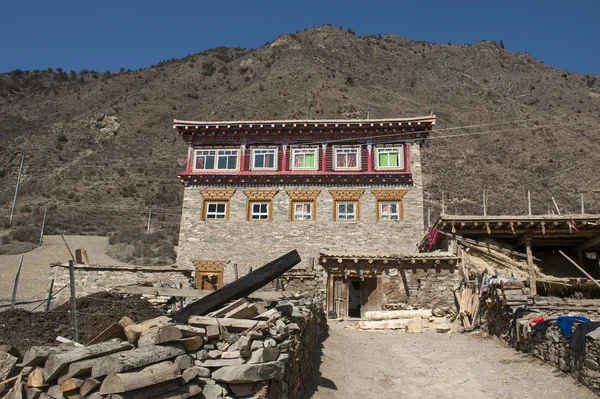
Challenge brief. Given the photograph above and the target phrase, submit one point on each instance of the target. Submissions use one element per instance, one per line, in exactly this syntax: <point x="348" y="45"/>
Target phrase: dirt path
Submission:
<point x="373" y="364"/>
<point x="35" y="273"/>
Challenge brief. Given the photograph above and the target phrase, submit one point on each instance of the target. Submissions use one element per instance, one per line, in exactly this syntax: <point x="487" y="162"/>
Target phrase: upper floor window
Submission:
<point x="217" y="159"/>
<point x="303" y="210"/>
<point x="264" y="158"/>
<point x="305" y="158"/>
<point x="346" y="158"/>
<point x="215" y="210"/>
<point x="389" y="157"/>
<point x="346" y="210"/>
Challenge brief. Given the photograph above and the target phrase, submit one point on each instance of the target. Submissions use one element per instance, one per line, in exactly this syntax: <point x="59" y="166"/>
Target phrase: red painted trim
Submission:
<point x="284" y="163"/>
<point x="324" y="160"/>
<point x="294" y="173"/>
<point x="370" y="157"/>
<point x="407" y="157"/>
<point x="190" y="158"/>
<point x="243" y="158"/>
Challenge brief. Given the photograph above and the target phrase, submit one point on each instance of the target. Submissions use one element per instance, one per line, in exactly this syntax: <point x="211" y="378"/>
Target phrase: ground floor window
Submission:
<point x="216" y="210"/>
<point x="259" y="211"/>
<point x="389" y="210"/>
<point x="347" y="210"/>
<point x="303" y="210"/>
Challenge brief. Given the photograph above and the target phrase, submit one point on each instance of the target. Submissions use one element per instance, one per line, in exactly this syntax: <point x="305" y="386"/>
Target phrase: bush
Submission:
<point x="208" y="68"/>
<point x="26" y="234"/>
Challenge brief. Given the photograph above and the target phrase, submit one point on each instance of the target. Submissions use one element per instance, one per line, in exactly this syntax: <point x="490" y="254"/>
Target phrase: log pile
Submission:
<point x="243" y="349"/>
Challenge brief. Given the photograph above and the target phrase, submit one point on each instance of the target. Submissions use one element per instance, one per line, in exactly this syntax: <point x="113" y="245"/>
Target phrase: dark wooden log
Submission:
<point x="239" y="288"/>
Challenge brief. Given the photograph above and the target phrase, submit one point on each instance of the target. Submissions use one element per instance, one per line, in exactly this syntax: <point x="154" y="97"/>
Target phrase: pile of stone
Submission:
<point x="241" y="350"/>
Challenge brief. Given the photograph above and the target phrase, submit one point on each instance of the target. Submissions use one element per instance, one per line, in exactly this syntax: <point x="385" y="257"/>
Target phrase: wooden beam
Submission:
<point x="532" y="279"/>
<point x="239" y="288"/>
<point x="588" y="244"/>
<point x="580" y="268"/>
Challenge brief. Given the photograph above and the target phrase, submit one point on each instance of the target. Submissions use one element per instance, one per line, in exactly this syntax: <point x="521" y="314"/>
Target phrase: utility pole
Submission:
<point x="149" y="216"/>
<point x="43" y="226"/>
<point x="12" y="212"/>
<point x="484" y="205"/>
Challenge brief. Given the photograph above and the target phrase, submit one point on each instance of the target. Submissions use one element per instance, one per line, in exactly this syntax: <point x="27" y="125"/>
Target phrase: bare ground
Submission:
<point x="389" y="364"/>
<point x="35" y="272"/>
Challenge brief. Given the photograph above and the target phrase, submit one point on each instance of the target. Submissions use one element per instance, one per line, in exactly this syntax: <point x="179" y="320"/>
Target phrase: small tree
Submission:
<point x="502" y="44"/>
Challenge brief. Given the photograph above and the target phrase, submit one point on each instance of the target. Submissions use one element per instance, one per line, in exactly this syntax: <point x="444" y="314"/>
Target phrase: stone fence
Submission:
<point x="94" y="278"/>
<point x="551" y="345"/>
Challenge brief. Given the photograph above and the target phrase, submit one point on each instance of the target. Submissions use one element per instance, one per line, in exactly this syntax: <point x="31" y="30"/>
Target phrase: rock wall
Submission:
<point x="424" y="287"/>
<point x="95" y="278"/>
<point x="550" y="346"/>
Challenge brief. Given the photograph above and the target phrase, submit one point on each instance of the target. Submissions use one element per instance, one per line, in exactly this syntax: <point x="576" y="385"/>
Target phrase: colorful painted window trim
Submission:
<point x="305" y="158"/>
<point x="216" y="159"/>
<point x="346" y="158"/>
<point x="347" y="210"/>
<point x="303" y="210"/>
<point x="259" y="211"/>
<point x="264" y="159"/>
<point x="389" y="210"/>
<point x="389" y="157"/>
<point x="215" y="210"/>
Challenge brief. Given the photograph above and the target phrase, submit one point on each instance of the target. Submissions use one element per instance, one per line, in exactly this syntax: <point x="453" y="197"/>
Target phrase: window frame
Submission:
<point x="312" y="211"/>
<point x="401" y="157"/>
<point x="358" y="150"/>
<point x="399" y="213"/>
<point x="275" y="158"/>
<point x="355" y="213"/>
<point x="251" y="211"/>
<point x="315" y="150"/>
<point x="216" y="160"/>
<point x="205" y="210"/>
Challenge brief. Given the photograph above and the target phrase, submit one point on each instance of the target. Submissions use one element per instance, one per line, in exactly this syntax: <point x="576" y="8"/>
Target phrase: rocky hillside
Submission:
<point x="100" y="148"/>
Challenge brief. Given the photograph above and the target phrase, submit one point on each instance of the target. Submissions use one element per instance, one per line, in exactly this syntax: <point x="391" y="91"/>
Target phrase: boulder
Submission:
<point x="249" y="373"/>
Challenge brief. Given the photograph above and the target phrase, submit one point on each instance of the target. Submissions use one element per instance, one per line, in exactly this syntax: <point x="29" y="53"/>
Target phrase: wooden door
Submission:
<point x="371" y="295"/>
<point x="337" y="297"/>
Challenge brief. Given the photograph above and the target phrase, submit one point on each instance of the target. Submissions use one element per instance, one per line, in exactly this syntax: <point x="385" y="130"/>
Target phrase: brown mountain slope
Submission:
<point x="100" y="148"/>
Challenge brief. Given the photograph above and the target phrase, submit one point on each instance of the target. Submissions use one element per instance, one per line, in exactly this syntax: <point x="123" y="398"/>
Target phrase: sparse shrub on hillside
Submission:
<point x="26" y="234"/>
<point x="133" y="245"/>
<point x="208" y="68"/>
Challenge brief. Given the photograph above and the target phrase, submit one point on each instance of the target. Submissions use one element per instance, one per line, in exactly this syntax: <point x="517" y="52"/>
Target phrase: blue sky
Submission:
<point x="106" y="35"/>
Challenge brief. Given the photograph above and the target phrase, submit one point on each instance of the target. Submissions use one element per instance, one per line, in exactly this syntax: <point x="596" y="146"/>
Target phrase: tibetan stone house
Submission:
<point x="347" y="194"/>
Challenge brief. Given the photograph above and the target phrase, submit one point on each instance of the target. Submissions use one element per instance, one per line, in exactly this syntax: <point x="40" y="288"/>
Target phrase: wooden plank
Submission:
<point x="532" y="283"/>
<point x="580" y="268"/>
<point x="89" y="385"/>
<point x="239" y="288"/>
<point x="246" y="311"/>
<point x="191" y="293"/>
<point x="241" y="324"/>
<point x="8" y="383"/>
<point x="229" y="307"/>
<point x="153" y="391"/>
<point x="57" y="362"/>
<point x="151" y="375"/>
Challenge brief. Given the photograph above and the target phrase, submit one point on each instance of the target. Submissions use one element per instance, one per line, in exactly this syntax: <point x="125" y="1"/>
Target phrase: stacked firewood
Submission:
<point x="239" y="350"/>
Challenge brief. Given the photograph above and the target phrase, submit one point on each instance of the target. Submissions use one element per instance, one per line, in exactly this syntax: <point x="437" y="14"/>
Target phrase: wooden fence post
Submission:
<point x="14" y="294"/>
<point x="49" y="297"/>
<point x="73" y="300"/>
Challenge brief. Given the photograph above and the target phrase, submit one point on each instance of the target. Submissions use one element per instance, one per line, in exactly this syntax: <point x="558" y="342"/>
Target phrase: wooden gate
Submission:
<point x="371" y="294"/>
<point x="337" y="297"/>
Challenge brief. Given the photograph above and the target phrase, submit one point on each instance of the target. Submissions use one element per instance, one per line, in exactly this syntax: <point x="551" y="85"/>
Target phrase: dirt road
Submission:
<point x="388" y="364"/>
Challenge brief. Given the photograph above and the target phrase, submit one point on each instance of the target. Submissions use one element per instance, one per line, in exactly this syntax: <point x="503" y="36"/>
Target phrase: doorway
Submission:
<point x="354" y="297"/>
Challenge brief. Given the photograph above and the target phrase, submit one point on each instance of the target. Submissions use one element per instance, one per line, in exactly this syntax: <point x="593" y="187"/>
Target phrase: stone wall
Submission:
<point x="94" y="278"/>
<point x="550" y="346"/>
<point x="252" y="244"/>
<point x="424" y="287"/>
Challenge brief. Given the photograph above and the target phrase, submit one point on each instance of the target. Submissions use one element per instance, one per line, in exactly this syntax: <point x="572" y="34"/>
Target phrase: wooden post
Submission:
<point x="556" y="205"/>
<point x="43" y="226"/>
<point x="73" y="300"/>
<point x="582" y="205"/>
<point x="235" y="271"/>
<point x="71" y="253"/>
<point x="529" y="202"/>
<point x="14" y="294"/>
<point x="49" y="297"/>
<point x="149" y="217"/>
<point x="532" y="278"/>
<point x="311" y="264"/>
<point x="277" y="284"/>
<point x="428" y="216"/>
<point x="484" y="205"/>
<point x="580" y="268"/>
<point x="12" y="211"/>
